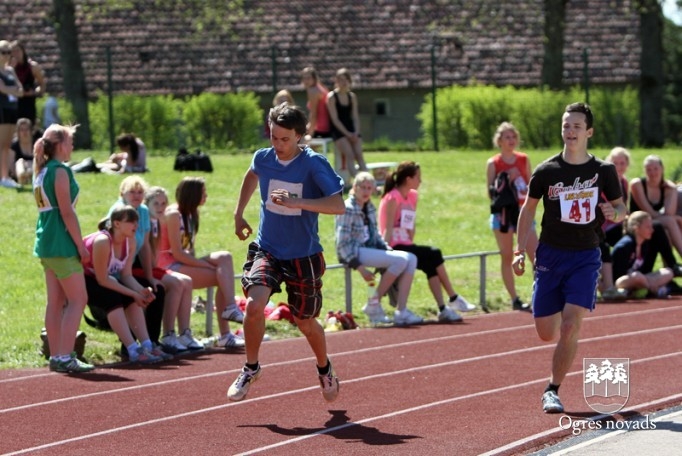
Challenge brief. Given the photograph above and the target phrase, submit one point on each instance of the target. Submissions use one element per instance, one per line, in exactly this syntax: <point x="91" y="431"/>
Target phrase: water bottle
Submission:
<point x="371" y="289"/>
<point x="521" y="187"/>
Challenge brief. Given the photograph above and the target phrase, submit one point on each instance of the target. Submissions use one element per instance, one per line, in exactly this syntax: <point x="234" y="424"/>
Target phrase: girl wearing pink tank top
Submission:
<point x="397" y="225"/>
<point x="111" y="287"/>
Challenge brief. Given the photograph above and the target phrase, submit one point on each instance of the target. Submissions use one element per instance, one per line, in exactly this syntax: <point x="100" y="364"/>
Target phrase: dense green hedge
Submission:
<point x="468" y="116"/>
<point x="225" y="122"/>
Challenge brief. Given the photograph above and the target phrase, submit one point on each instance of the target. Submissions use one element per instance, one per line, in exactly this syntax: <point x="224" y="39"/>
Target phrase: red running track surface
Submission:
<point x="434" y="389"/>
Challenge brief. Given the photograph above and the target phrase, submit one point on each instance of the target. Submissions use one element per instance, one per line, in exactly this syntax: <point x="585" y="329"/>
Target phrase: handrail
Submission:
<point x="482" y="274"/>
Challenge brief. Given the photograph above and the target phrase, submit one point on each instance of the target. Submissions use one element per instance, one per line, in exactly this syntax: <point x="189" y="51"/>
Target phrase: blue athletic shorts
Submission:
<point x="564" y="276"/>
<point x="495" y="223"/>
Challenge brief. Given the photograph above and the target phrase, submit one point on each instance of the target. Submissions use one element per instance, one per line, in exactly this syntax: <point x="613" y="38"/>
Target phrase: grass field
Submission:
<point x="453" y="215"/>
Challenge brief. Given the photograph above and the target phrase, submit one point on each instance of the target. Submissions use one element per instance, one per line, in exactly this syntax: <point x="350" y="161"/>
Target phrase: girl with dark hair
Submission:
<point x="59" y="246"/>
<point x="176" y="252"/>
<point x="131" y="159"/>
<point x="10" y="91"/>
<point x="32" y="80"/>
<point x="111" y="287"/>
<point x="397" y="224"/>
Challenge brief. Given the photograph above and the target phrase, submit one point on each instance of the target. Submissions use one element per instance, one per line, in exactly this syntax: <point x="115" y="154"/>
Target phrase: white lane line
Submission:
<point x="360" y="379"/>
<point x="347" y="353"/>
<point x="40" y="374"/>
<point x="456" y="399"/>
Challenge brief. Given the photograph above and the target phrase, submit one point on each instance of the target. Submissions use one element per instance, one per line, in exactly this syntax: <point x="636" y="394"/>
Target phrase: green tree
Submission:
<point x="205" y="15"/>
<point x="75" y="89"/>
<point x="553" y="61"/>
<point x="651" y="89"/>
<point x="672" y="107"/>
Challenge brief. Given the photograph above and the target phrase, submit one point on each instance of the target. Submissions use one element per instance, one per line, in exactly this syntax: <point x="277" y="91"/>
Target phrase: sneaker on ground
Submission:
<point x="462" y="304"/>
<point x="375" y="312"/>
<point x="229" y="340"/>
<point x="238" y="389"/>
<point x="189" y="341"/>
<point x="143" y="356"/>
<point x="330" y="385"/>
<point x="615" y="294"/>
<point x="448" y="315"/>
<point x="551" y="403"/>
<point x="73" y="365"/>
<point x="663" y="292"/>
<point x="517" y="304"/>
<point x="240" y="334"/>
<point x="233" y="313"/>
<point x="171" y="344"/>
<point x="157" y="350"/>
<point x="406" y="318"/>
<point x="8" y="183"/>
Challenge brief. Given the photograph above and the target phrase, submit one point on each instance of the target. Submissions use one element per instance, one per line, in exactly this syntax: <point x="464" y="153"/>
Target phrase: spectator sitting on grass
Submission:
<point x="131" y="159"/>
<point x="633" y="260"/>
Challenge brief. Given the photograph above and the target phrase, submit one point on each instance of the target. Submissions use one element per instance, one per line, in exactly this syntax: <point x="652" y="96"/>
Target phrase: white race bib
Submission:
<point x="295" y="191"/>
<point x="579" y="206"/>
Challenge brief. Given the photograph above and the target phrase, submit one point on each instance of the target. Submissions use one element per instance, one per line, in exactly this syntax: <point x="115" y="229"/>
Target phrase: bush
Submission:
<point x="223" y="121"/>
<point x="468" y="116"/>
<point x="154" y="119"/>
<point x="207" y="121"/>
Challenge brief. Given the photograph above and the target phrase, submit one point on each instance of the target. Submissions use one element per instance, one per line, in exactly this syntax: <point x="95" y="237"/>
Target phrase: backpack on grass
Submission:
<point x="198" y="161"/>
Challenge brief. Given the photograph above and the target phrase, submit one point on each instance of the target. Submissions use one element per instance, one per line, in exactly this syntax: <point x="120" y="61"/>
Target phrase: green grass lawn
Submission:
<point x="453" y="215"/>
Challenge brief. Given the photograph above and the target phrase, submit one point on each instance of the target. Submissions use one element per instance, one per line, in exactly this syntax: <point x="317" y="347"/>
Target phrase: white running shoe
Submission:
<point x="375" y="312"/>
<point x="406" y="318"/>
<point x="189" y="341"/>
<point x="238" y="389"/>
<point x="448" y="315"/>
<point x="8" y="183"/>
<point x="233" y="313"/>
<point x="461" y="304"/>
<point x="330" y="385"/>
<point x="229" y="340"/>
<point x="171" y="344"/>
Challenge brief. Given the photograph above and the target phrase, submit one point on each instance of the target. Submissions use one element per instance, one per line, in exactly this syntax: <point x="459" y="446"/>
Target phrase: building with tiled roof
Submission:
<point x="386" y="44"/>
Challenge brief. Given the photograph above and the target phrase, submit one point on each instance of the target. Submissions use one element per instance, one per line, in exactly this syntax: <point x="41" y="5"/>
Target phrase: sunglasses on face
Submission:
<point x="5" y="52"/>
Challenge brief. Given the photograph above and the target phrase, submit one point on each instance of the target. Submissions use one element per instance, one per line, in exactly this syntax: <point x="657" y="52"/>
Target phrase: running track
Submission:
<point x="434" y="389"/>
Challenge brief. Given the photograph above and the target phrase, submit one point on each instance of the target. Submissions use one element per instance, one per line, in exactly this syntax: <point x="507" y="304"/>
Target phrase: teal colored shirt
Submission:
<point x="52" y="238"/>
<point x="144" y="224"/>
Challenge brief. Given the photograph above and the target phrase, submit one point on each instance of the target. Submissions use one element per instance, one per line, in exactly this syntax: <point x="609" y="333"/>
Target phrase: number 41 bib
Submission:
<point x="579" y="206"/>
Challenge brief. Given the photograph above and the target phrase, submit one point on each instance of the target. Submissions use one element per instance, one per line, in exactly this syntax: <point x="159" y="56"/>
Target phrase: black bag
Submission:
<point x="504" y="201"/>
<point x="99" y="318"/>
<point x="78" y="346"/>
<point x="88" y="165"/>
<point x="198" y="161"/>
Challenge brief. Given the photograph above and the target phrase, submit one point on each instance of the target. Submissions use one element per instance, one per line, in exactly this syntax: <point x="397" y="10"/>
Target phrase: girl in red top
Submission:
<point x="318" y="118"/>
<point x="517" y="166"/>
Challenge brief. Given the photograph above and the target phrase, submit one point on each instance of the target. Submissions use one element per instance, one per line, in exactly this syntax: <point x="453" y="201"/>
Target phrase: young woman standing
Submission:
<point x="503" y="223"/>
<point x="59" y="246"/>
